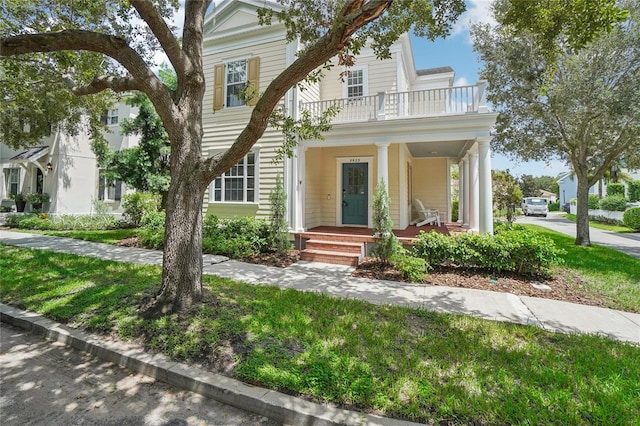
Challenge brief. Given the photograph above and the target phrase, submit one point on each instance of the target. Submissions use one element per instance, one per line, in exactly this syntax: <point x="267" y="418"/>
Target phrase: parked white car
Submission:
<point x="535" y="206"/>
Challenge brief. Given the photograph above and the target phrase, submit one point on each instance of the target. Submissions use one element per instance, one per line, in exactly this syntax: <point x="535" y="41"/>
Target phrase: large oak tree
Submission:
<point x="579" y="102"/>
<point x="89" y="47"/>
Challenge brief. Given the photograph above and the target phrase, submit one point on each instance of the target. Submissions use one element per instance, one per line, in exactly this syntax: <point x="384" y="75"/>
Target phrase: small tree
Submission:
<point x="278" y="217"/>
<point x="386" y="241"/>
<point x="506" y="193"/>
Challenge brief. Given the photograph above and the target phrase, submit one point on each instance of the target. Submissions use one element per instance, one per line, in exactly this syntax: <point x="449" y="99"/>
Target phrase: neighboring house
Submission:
<point x="65" y="167"/>
<point x="406" y="126"/>
<point x="551" y="197"/>
<point x="568" y="185"/>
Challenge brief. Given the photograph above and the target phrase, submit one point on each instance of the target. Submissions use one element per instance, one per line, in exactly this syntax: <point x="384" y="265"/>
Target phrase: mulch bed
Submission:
<point x="564" y="284"/>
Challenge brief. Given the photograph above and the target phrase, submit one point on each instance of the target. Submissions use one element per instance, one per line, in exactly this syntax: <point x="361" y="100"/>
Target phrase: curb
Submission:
<point x="277" y="406"/>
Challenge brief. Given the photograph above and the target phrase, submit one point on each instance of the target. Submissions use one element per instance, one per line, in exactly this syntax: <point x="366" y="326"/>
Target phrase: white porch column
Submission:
<point x="299" y="175"/>
<point x="461" y="202"/>
<point x="474" y="191"/>
<point x="383" y="163"/>
<point x="467" y="191"/>
<point x="486" y="193"/>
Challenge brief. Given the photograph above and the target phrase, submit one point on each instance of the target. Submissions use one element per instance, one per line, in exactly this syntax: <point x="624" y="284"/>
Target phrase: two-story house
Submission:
<point x="65" y="167"/>
<point x="405" y="126"/>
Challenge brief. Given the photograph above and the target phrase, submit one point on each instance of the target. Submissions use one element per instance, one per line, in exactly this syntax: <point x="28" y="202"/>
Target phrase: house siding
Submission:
<point x="430" y="184"/>
<point x="222" y="127"/>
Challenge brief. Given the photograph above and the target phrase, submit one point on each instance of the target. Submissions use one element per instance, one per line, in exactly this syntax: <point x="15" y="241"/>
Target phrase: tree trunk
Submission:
<point x="582" y="213"/>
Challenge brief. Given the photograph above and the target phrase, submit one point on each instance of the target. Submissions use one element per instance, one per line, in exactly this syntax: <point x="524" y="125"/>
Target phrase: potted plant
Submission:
<point x="37" y="199"/>
<point x="20" y="201"/>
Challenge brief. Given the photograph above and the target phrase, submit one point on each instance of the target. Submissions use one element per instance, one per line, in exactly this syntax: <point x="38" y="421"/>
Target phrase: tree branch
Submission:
<point x="163" y="33"/>
<point x="354" y="15"/>
<point x="117" y="84"/>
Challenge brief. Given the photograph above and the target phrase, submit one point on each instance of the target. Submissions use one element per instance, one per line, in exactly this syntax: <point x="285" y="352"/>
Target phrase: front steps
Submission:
<point x="337" y="249"/>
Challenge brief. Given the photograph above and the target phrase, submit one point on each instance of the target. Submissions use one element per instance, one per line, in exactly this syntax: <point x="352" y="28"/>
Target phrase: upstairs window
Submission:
<point x="236" y="81"/>
<point x="355" y="84"/>
<point x="238" y="185"/>
<point x="110" y="117"/>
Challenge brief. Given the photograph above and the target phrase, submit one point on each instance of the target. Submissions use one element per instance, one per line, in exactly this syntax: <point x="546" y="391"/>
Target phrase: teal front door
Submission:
<point x="355" y="197"/>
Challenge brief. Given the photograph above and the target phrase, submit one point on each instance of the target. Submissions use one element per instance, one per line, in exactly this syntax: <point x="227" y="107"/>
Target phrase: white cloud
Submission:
<point x="461" y="81"/>
<point x="478" y="11"/>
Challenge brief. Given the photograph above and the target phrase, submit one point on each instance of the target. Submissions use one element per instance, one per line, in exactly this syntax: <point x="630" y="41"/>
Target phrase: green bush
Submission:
<point x="631" y="218"/>
<point x="387" y="244"/>
<point x="554" y="207"/>
<point x="455" y="208"/>
<point x="151" y="234"/>
<point x="238" y="237"/>
<point x="616" y="203"/>
<point x="136" y="205"/>
<point x="615" y="189"/>
<point x="65" y="222"/>
<point x="594" y="202"/>
<point x="634" y="190"/>
<point x="412" y="268"/>
<point x="511" y="249"/>
<point x="278" y="218"/>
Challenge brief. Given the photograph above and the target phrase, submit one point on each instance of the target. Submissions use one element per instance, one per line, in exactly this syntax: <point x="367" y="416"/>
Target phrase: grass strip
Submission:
<point x="398" y="362"/>
<point x="613" y="228"/>
<point x="610" y="273"/>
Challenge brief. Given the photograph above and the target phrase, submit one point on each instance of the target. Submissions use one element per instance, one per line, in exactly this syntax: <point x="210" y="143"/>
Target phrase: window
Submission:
<point x="239" y="183"/>
<point x="110" y="117"/>
<point x="236" y="81"/>
<point x="12" y="181"/>
<point x="108" y="191"/>
<point x="355" y="83"/>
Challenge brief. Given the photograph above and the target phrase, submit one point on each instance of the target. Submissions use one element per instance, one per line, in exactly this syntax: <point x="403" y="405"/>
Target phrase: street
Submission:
<point x="46" y="383"/>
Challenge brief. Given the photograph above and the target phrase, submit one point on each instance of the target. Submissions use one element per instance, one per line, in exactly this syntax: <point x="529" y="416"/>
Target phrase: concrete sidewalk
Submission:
<point x="335" y="280"/>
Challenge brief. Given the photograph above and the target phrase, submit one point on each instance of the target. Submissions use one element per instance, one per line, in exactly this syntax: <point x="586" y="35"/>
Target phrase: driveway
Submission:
<point x="626" y="243"/>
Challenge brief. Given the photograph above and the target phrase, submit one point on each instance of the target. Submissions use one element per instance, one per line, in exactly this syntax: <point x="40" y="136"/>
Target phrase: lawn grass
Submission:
<point x="110" y="236"/>
<point x="608" y="272"/>
<point x="613" y="228"/>
<point x="398" y="362"/>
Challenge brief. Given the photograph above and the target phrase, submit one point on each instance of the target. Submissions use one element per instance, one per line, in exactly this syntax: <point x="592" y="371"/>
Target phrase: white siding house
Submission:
<point x="396" y="123"/>
<point x="65" y="167"/>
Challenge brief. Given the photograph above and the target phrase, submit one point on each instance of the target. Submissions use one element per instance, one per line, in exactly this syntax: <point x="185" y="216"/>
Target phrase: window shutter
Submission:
<point x="218" y="87"/>
<point x="253" y="74"/>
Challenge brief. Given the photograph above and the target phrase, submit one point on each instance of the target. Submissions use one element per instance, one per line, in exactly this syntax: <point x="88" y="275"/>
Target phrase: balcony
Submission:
<point x="390" y="106"/>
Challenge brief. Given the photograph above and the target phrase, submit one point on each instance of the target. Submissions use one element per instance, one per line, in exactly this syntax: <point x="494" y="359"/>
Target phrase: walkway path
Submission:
<point x="626" y="243"/>
<point x="549" y="314"/>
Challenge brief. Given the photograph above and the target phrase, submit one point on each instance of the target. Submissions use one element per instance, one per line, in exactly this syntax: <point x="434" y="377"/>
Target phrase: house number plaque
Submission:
<point x="354" y="160"/>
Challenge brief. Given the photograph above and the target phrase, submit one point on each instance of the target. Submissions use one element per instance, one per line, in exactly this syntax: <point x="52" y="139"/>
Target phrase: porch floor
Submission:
<point x="404" y="235"/>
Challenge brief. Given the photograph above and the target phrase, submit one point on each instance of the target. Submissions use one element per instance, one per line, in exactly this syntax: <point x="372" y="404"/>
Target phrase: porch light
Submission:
<point x="49" y="166"/>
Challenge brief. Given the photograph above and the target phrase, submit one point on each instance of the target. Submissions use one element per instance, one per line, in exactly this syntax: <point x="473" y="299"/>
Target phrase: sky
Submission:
<point x="457" y="52"/>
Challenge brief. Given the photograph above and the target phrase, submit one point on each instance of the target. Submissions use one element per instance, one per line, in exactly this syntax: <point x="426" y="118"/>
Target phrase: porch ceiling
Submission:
<point x="437" y="149"/>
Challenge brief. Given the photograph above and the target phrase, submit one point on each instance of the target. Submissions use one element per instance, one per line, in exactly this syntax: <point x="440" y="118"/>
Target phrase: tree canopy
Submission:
<point x="581" y="106"/>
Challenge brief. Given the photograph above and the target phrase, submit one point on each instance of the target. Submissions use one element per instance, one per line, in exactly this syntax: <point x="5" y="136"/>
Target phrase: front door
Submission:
<point x="355" y="197"/>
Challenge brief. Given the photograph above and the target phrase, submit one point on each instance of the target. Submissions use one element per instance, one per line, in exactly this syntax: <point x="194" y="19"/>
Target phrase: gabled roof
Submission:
<point x="31" y="154"/>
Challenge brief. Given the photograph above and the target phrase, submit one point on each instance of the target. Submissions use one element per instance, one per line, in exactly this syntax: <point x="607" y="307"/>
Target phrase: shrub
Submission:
<point x="634" y="190"/>
<point x="616" y="203"/>
<point x="511" y="249"/>
<point x="594" y="202"/>
<point x="279" y="227"/>
<point x="151" y="234"/>
<point x="63" y="222"/>
<point x="605" y="220"/>
<point x="631" y="218"/>
<point x="554" y="207"/>
<point x="238" y="237"/>
<point x="412" y="268"/>
<point x="615" y="189"/>
<point x="386" y="242"/>
<point x="136" y="205"/>
<point x="455" y="207"/>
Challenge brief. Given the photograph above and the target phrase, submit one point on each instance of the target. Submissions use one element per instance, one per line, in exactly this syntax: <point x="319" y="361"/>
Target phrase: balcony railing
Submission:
<point x="420" y="103"/>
